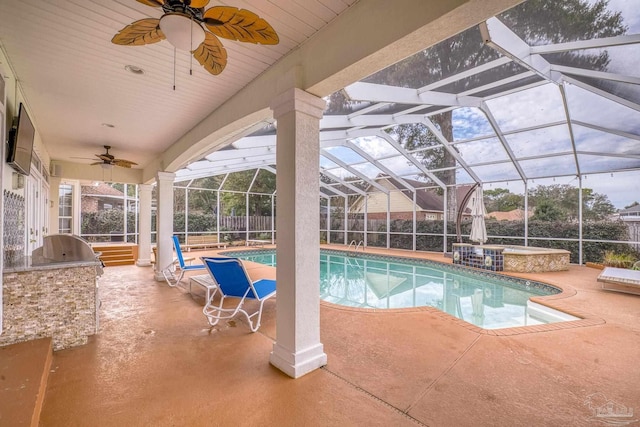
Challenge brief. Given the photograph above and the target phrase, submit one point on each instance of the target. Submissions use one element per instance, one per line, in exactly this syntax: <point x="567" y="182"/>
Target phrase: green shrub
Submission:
<point x="512" y="233"/>
<point x="620" y="260"/>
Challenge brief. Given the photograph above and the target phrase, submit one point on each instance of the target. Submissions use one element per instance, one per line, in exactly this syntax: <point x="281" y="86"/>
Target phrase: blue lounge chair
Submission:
<point x="173" y="273"/>
<point x="234" y="283"/>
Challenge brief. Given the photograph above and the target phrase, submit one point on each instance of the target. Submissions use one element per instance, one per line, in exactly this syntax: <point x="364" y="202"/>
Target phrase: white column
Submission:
<point x="144" y="230"/>
<point x="298" y="349"/>
<point x="164" y="230"/>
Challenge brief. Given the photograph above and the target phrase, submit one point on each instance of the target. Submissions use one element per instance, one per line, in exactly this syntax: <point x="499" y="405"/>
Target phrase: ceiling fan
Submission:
<point x="188" y="26"/>
<point x="107" y="160"/>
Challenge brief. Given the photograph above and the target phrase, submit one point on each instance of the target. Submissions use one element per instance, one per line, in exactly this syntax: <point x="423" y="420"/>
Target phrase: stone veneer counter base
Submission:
<point x="57" y="301"/>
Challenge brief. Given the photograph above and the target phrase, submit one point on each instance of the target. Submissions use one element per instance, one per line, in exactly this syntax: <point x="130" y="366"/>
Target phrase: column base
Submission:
<point x="159" y="276"/>
<point x="143" y="263"/>
<point x="298" y="364"/>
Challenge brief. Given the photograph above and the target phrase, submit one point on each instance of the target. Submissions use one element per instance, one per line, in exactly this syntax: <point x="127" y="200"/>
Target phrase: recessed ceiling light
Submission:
<point x="107" y="125"/>
<point x="133" y="69"/>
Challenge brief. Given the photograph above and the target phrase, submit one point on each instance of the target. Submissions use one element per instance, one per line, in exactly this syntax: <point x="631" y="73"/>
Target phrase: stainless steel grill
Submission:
<point x="61" y="248"/>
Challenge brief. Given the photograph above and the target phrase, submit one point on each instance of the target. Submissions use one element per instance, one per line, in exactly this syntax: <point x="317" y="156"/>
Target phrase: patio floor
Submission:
<point x="157" y="362"/>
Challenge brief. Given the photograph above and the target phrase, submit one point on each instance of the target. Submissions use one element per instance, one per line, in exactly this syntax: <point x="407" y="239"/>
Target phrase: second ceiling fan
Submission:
<point x="107" y="159"/>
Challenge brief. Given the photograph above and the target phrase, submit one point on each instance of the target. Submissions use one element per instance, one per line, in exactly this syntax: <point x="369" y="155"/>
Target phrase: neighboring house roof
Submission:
<point x="514" y="215"/>
<point x="428" y="199"/>
<point x="101" y="189"/>
<point x="632" y="210"/>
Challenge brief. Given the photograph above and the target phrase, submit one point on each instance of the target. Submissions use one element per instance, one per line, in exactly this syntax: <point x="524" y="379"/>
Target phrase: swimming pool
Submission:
<point x="484" y="299"/>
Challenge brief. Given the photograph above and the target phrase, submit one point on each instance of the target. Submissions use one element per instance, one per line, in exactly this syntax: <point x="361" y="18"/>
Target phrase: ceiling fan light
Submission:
<point x="106" y="166"/>
<point x="181" y="31"/>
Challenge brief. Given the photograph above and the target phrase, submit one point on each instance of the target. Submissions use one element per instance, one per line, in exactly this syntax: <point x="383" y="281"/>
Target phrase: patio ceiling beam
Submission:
<point x="249" y="166"/>
<point x="369" y="109"/>
<point x="369" y="120"/>
<point x="342" y="182"/>
<point x="567" y="112"/>
<point x="465" y="74"/>
<point x="335" y="138"/>
<point x="602" y="154"/>
<point x="500" y="83"/>
<point x="511" y="132"/>
<point x="238" y="168"/>
<point x="237" y="164"/>
<point x="595" y="74"/>
<point x="332" y="190"/>
<point x="587" y="44"/>
<point x="252" y="142"/>
<point x="221" y="164"/>
<point x="380" y="166"/>
<point x="607" y="130"/>
<point x="240" y="153"/>
<point x="354" y="171"/>
<point x="382" y="93"/>
<point x="601" y="92"/>
<point x="473" y="91"/>
<point x="255" y="175"/>
<point x="411" y="158"/>
<point x="199" y="165"/>
<point x="500" y="37"/>
<point x="273" y="171"/>
<point x="452" y="150"/>
<point x="516" y="89"/>
<point x="496" y="128"/>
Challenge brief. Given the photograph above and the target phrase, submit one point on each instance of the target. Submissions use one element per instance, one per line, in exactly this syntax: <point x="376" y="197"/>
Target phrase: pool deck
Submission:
<point x="157" y="362"/>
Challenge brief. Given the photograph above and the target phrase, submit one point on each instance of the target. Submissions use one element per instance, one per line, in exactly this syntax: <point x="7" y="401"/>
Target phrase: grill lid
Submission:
<point x="62" y="248"/>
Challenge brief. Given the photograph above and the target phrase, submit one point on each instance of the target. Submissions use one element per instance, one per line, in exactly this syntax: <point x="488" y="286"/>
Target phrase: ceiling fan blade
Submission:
<point x="211" y="55"/>
<point x="97" y="163"/>
<point x="144" y="31"/>
<point x="123" y="163"/>
<point x="198" y="4"/>
<point x="152" y="3"/>
<point x="105" y="157"/>
<point x="239" y="24"/>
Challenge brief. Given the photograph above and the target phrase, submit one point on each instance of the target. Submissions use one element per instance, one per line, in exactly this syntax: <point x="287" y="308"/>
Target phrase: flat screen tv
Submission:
<point x="20" y="144"/>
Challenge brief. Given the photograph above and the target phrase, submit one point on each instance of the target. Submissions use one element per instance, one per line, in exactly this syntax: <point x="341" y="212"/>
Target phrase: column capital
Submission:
<point x="165" y="176"/>
<point x="145" y="188"/>
<point x="295" y="99"/>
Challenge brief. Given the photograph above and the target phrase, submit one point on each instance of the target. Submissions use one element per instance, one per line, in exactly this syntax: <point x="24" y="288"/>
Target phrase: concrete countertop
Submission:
<point x="23" y="264"/>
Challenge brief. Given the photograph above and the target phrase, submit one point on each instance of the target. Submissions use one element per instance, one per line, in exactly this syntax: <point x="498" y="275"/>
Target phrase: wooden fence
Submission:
<point x="239" y="223"/>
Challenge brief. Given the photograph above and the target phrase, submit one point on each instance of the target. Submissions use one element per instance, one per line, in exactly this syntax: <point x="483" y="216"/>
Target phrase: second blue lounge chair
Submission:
<point x="173" y="274"/>
<point x="234" y="283"/>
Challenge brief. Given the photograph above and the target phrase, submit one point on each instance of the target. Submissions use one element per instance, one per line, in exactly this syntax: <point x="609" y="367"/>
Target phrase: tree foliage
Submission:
<point x="234" y="201"/>
<point x="564" y="197"/>
<point x="502" y="200"/>
<point x="553" y="202"/>
<point x="548" y="211"/>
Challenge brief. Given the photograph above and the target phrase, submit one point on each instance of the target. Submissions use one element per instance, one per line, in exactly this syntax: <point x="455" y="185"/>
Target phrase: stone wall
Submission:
<point x="536" y="263"/>
<point x="57" y="303"/>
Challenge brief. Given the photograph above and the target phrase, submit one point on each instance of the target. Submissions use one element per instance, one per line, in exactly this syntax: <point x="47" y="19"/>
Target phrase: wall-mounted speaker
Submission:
<point x="56" y="169"/>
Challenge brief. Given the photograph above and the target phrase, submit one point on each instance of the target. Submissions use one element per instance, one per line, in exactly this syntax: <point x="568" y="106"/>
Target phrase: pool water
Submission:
<point x="483" y="299"/>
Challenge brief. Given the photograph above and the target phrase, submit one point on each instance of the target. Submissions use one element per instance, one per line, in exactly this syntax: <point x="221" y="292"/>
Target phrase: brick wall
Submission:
<point x="58" y="303"/>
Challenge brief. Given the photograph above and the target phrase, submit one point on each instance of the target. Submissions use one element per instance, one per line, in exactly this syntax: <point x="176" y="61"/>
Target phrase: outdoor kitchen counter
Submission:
<point x="57" y="300"/>
<point x="24" y="264"/>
